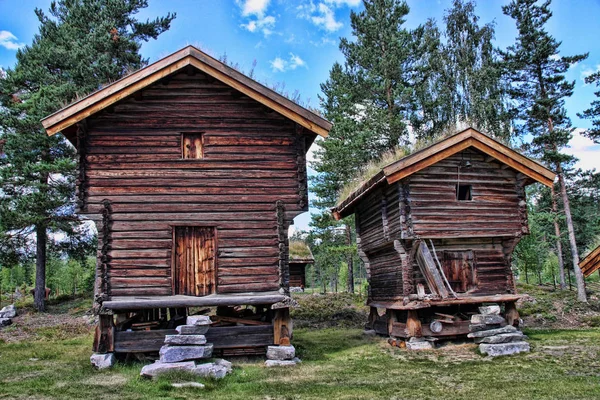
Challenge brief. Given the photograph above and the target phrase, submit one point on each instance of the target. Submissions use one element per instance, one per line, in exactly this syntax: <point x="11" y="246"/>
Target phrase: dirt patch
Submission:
<point x="60" y="322"/>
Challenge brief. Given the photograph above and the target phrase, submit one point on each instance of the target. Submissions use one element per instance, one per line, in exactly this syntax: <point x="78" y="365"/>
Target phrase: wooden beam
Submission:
<point x="413" y="324"/>
<point x="178" y="301"/>
<point x="104" y="336"/>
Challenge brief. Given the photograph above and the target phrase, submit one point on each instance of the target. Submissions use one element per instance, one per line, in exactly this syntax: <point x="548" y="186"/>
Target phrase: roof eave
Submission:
<point x="146" y="76"/>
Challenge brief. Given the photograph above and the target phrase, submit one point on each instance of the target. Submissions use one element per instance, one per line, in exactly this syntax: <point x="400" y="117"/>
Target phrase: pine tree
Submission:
<point x="539" y="88"/>
<point x="368" y="99"/>
<point x="81" y="45"/>
<point x="593" y="112"/>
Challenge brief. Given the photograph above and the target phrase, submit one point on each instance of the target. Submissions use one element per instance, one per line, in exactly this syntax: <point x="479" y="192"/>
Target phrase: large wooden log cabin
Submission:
<point x="436" y="231"/>
<point x="192" y="173"/>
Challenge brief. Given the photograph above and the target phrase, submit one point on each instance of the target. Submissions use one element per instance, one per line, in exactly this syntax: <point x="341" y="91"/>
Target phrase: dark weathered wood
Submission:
<point x="104" y="336"/>
<point x="511" y="313"/>
<point x="282" y="327"/>
<point x="149" y="302"/>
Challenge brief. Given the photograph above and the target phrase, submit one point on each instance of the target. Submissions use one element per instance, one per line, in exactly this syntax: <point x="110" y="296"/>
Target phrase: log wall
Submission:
<point x="131" y="155"/>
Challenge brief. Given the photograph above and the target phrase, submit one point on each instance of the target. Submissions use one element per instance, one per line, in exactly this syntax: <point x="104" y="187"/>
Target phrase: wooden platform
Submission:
<point x="226" y="337"/>
<point x="147" y="302"/>
<point x="461" y="299"/>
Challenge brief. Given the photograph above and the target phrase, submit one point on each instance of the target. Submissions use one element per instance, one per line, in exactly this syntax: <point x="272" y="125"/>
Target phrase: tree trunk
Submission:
<point x="581" y="295"/>
<point x="350" y="261"/>
<point x="559" y="253"/>
<point x="39" y="299"/>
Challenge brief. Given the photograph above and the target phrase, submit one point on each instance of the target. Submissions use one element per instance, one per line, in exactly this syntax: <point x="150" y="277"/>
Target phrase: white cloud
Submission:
<point x="9" y="41"/>
<point x="253" y="7"/>
<point x="325" y="41"/>
<point x="340" y="3"/>
<point x="326" y="18"/>
<point x="279" y="64"/>
<point x="296" y="61"/>
<point x="262" y="24"/>
<point x="584" y="149"/>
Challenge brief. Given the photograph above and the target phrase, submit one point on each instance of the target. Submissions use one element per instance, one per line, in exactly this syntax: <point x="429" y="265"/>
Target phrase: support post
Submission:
<point x="511" y="313"/>
<point x="413" y="324"/>
<point x="104" y="337"/>
<point x="282" y="327"/>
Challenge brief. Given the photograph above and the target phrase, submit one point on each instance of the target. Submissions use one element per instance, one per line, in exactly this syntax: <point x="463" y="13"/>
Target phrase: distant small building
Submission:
<point x="436" y="231"/>
<point x="591" y="263"/>
<point x="300" y="258"/>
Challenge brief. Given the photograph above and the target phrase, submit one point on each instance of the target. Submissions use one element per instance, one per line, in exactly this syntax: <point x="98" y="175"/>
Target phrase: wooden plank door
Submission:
<point x="459" y="269"/>
<point x="194" y="272"/>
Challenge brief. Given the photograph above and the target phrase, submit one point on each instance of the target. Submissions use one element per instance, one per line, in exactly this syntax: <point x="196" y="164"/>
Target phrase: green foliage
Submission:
<point x="462" y="79"/>
<point x="538" y="86"/>
<point x="593" y="112"/>
<point x="81" y="45"/>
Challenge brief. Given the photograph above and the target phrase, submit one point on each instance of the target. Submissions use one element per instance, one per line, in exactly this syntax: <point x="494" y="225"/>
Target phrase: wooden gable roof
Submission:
<point x="591" y="263"/>
<point x="441" y="150"/>
<point x="97" y="101"/>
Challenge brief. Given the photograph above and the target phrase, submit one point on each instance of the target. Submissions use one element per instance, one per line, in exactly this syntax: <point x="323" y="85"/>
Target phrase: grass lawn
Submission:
<point x="338" y="363"/>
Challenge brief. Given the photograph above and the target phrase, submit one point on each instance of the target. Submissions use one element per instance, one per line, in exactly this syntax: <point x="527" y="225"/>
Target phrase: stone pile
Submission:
<point x="281" y="356"/>
<point x="494" y="337"/>
<point x="180" y="351"/>
<point x="7" y="314"/>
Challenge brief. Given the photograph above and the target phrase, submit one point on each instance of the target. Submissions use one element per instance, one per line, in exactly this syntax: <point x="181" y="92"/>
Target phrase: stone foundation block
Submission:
<point x="192" y="329"/>
<point x="281" y="352"/>
<point x="171" y="354"/>
<point x="103" y="361"/>
<point x="504" y="349"/>
<point x="158" y="368"/>
<point x="186" y="340"/>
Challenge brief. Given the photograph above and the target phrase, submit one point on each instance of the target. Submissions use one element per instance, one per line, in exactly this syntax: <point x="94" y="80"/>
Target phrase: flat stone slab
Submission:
<point x="492" y="332"/>
<point x="281" y="352"/>
<point x="490" y="310"/>
<point x="192" y="329"/>
<point x="103" y="361"/>
<point x="487" y="319"/>
<point x="419" y="345"/>
<point x="282" y="363"/>
<point x="502" y="338"/>
<point x="185" y="340"/>
<point x="224" y="363"/>
<point x="172" y="354"/>
<point x="5" y="322"/>
<point x="198" y="320"/>
<point x="8" y="312"/>
<point x="180" y="385"/>
<point x="158" y="368"/>
<point x="211" y="370"/>
<point x="504" y="349"/>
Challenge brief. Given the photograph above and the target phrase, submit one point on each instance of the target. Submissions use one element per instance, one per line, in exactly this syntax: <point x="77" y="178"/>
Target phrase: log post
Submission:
<point x="104" y="337"/>
<point x="392" y="317"/>
<point x="413" y="324"/>
<point x="372" y="318"/>
<point x="511" y="313"/>
<point x="282" y="327"/>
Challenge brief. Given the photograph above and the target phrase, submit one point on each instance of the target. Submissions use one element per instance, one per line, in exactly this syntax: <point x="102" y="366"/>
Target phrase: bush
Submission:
<point x="329" y="310"/>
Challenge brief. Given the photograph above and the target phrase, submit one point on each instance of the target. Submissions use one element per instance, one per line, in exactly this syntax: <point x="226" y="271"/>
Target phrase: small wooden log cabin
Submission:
<point x="436" y="231"/>
<point x="300" y="257"/>
<point x="193" y="173"/>
<point x="591" y="262"/>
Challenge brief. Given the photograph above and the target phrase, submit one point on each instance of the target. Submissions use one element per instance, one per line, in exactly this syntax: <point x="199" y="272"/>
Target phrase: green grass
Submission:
<point x="337" y="363"/>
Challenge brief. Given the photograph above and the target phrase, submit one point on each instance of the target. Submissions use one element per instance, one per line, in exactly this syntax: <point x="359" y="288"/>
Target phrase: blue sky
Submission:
<point x="296" y="42"/>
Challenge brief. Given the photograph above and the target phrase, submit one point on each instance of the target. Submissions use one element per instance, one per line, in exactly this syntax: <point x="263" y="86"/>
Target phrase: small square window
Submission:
<point x="192" y="145"/>
<point x="463" y="192"/>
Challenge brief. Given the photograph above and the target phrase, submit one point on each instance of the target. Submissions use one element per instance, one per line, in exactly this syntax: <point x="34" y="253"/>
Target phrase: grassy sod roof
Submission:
<point x="300" y="252"/>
